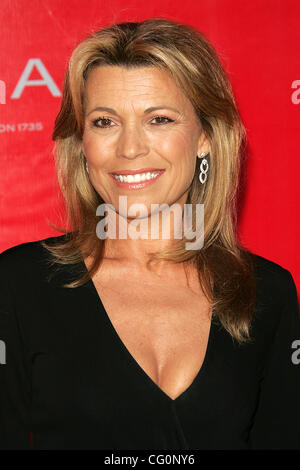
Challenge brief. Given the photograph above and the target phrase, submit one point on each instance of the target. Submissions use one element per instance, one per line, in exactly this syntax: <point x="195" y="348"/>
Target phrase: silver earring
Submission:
<point x="204" y="168"/>
<point x="86" y="167"/>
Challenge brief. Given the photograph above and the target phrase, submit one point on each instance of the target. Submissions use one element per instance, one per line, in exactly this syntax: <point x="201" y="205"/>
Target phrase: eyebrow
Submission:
<point x="148" y="110"/>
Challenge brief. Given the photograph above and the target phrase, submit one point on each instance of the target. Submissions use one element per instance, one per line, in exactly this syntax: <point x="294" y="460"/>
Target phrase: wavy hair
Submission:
<point x="225" y="268"/>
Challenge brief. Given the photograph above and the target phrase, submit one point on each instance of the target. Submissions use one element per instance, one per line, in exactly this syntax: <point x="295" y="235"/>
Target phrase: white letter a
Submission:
<point x="47" y="79"/>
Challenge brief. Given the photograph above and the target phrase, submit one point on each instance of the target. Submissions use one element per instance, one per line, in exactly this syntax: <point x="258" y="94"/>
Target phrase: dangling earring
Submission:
<point x="86" y="167"/>
<point x="204" y="169"/>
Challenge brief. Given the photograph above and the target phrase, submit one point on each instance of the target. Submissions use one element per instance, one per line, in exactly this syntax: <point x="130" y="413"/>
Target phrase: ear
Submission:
<point x="203" y="145"/>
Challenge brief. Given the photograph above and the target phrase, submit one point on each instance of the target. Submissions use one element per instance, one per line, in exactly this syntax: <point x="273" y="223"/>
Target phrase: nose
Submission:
<point x="132" y="142"/>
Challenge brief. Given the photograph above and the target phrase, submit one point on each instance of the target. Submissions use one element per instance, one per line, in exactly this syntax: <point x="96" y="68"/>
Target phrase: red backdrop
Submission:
<point x="258" y="45"/>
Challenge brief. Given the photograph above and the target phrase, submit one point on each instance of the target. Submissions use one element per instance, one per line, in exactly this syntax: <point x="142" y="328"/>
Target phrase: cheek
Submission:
<point x="94" y="150"/>
<point x="177" y="147"/>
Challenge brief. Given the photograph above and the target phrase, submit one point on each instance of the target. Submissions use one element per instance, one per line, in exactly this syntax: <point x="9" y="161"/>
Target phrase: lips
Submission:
<point x="134" y="185"/>
<point x="135" y="172"/>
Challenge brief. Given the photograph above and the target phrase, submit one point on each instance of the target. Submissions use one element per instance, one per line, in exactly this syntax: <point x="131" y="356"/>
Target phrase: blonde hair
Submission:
<point x="225" y="268"/>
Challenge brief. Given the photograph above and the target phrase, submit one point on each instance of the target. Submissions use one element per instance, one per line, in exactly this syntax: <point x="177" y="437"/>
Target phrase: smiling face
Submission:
<point x="137" y="119"/>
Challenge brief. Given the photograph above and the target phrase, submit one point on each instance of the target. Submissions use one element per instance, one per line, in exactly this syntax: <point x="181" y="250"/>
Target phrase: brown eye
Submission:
<point x="162" y="120"/>
<point x="102" y="122"/>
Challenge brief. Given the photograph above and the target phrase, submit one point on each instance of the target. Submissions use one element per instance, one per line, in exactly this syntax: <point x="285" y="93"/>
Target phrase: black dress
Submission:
<point x="67" y="378"/>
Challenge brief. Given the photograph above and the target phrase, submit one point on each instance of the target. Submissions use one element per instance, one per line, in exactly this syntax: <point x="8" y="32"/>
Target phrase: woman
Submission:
<point x="142" y="343"/>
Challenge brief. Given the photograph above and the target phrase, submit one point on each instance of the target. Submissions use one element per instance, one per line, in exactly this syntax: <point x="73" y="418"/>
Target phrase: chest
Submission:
<point x="164" y="326"/>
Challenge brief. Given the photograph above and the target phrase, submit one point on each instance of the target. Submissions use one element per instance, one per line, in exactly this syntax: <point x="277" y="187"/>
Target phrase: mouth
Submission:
<point x="137" y="179"/>
<point x="135" y="172"/>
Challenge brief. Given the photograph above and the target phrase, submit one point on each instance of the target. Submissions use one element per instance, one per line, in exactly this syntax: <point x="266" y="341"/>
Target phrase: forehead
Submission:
<point x="113" y="82"/>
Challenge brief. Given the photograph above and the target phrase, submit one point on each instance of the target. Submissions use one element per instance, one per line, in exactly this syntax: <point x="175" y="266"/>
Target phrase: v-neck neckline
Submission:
<point x="141" y="371"/>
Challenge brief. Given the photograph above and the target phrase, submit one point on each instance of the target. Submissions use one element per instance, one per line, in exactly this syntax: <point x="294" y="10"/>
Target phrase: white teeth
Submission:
<point x="136" y="178"/>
